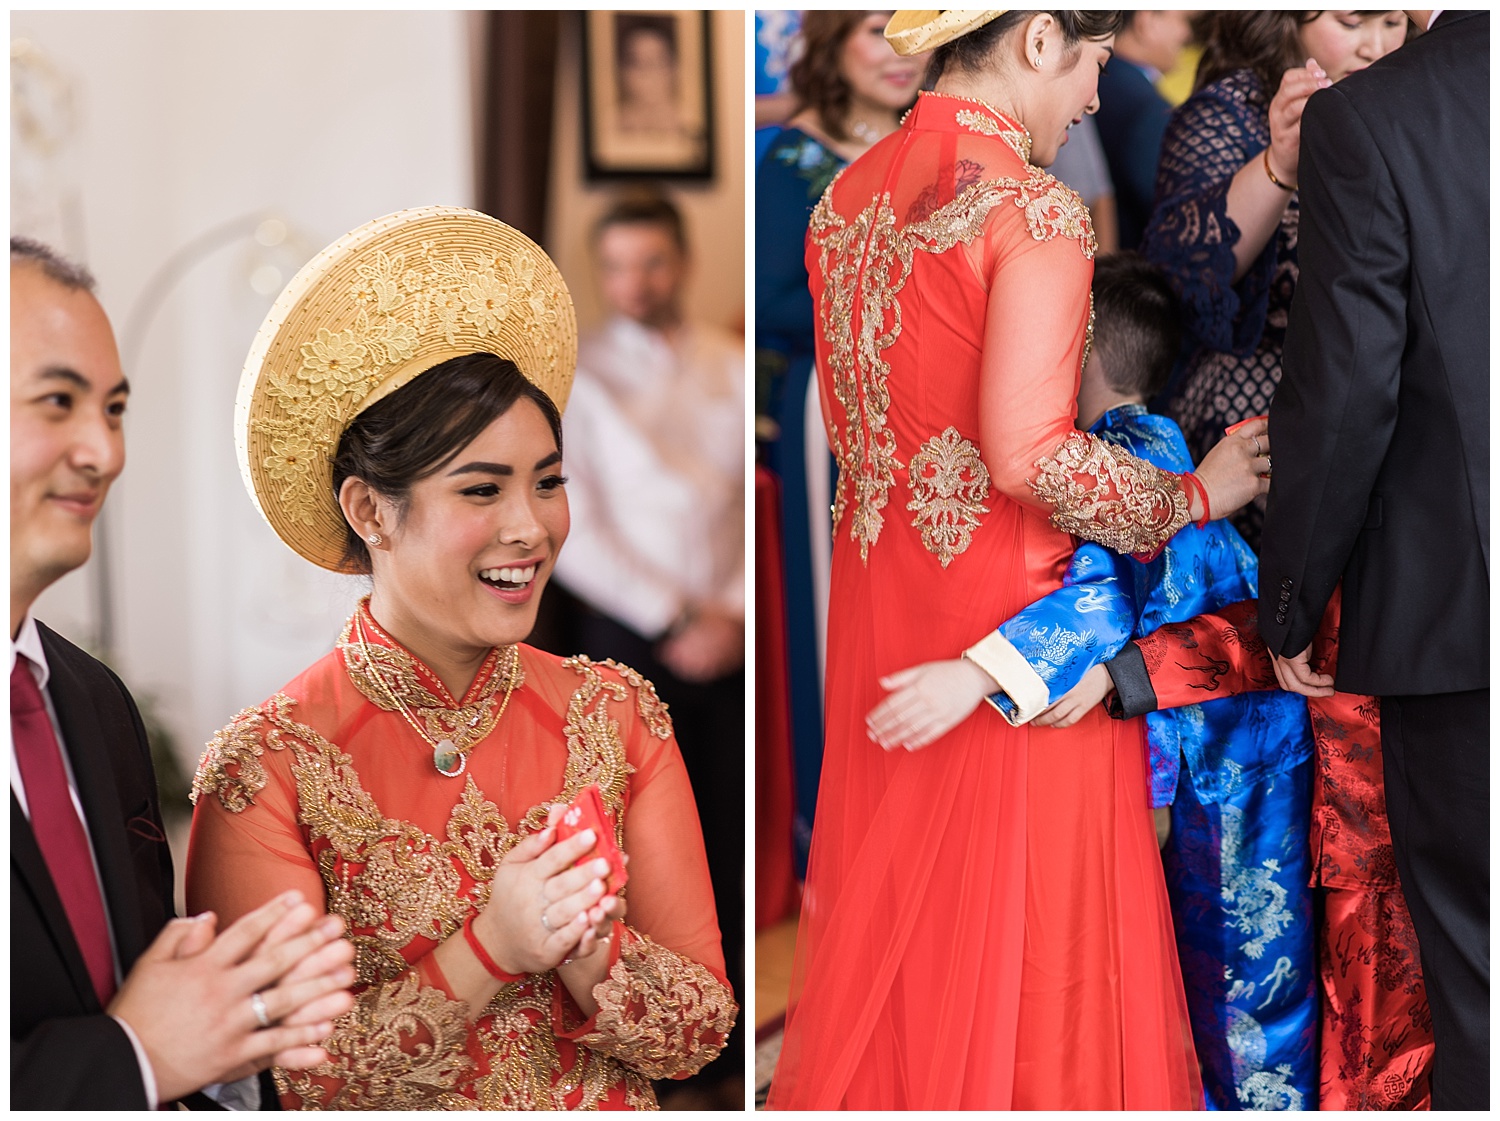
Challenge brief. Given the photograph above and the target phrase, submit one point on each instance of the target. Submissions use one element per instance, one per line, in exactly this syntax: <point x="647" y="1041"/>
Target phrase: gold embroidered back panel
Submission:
<point x="899" y="250"/>
<point x="405" y="854"/>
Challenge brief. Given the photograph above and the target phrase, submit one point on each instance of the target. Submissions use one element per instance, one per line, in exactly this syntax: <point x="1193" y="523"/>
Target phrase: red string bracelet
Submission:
<point x="1192" y="480"/>
<point x="484" y="958"/>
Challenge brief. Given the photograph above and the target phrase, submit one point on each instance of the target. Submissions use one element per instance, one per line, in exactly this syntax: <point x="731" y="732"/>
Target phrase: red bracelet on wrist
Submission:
<point x="484" y="958"/>
<point x="1192" y="480"/>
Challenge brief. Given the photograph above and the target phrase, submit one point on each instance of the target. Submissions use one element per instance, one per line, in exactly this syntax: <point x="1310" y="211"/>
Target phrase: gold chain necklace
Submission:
<point x="447" y="758"/>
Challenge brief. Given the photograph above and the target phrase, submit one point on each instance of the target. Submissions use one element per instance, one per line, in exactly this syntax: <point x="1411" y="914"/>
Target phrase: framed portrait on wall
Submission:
<point x="648" y="101"/>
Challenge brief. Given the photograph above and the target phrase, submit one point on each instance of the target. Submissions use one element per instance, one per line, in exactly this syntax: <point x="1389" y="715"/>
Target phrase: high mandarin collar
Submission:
<point x="943" y="112"/>
<point x="385" y="671"/>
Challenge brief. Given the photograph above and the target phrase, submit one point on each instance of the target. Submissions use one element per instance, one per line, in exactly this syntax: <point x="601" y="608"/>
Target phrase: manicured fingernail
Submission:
<point x="203" y="916"/>
<point x="588" y="835"/>
<point x="582" y="917"/>
<point x="291" y="898"/>
<point x="601" y="866"/>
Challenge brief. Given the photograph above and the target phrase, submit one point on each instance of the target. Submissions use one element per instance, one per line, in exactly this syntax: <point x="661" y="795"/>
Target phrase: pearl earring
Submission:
<point x="374" y="539"/>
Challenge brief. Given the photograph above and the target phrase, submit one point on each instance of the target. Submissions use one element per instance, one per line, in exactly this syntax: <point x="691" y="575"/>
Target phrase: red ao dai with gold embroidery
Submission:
<point x="326" y="788"/>
<point x="985" y="923"/>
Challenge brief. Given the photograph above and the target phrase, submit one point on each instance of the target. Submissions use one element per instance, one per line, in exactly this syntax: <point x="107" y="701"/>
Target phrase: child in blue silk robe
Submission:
<point x="1235" y="772"/>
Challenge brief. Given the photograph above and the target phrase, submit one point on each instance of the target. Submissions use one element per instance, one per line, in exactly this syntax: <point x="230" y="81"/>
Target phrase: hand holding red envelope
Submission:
<point x="586" y="811"/>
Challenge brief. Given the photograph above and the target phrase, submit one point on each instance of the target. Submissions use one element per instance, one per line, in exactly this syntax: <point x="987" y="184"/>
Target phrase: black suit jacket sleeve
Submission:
<point x="66" y="1053"/>
<point x="1335" y="409"/>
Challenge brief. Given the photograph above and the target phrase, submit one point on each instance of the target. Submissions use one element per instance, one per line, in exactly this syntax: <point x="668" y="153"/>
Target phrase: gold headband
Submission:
<point x="374" y="310"/>
<point x="911" y="31"/>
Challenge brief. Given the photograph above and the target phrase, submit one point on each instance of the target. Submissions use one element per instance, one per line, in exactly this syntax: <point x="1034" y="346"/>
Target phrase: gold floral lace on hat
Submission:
<point x="371" y="312"/>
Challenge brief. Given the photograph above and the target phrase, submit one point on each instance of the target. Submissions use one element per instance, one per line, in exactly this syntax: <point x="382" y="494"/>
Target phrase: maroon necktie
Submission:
<point x="59" y="832"/>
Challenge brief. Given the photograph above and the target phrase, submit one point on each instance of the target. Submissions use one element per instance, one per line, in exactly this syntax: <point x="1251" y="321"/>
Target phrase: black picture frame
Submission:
<point x="648" y="95"/>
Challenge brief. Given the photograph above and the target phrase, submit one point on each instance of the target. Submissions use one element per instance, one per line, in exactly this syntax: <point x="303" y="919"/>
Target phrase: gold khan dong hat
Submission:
<point x="911" y="31"/>
<point x="371" y="312"/>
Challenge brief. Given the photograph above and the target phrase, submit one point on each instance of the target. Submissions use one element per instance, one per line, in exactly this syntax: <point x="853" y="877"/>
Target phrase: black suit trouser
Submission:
<point x="1437" y="783"/>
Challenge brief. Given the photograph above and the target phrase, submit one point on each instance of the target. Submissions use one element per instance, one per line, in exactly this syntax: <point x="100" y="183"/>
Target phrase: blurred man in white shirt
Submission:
<point x="654" y="449"/>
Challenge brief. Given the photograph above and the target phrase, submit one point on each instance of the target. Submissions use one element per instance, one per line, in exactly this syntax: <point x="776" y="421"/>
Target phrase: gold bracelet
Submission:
<point x="1265" y="158"/>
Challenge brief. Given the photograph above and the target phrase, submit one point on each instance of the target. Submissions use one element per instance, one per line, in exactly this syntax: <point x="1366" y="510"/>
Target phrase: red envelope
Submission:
<point x="587" y="812"/>
<point x="1233" y="428"/>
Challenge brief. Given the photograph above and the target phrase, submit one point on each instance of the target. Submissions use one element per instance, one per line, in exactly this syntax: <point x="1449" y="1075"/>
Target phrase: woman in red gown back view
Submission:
<point x="985" y="923"/>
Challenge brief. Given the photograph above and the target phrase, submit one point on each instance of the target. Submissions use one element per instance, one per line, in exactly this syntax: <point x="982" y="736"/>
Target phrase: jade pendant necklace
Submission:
<point x="448" y="758"/>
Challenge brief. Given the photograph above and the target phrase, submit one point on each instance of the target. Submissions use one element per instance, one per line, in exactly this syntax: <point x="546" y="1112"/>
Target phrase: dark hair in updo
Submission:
<point x="417" y="430"/>
<point x="971" y="52"/>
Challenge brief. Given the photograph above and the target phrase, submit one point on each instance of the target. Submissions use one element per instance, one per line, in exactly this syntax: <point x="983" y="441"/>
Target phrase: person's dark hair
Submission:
<point x="644" y="207"/>
<point x="1265" y="42"/>
<point x="816" y="80"/>
<point x="1137" y="324"/>
<point x="56" y="267"/>
<point x="971" y="53"/>
<point x="417" y="430"/>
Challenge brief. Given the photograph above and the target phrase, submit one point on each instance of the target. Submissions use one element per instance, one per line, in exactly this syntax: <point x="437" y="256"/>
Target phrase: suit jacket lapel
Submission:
<point x="26" y="857"/>
<point x="95" y="753"/>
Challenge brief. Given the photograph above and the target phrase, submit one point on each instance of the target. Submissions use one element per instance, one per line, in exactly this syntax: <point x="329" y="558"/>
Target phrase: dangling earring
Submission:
<point x="374" y="539"/>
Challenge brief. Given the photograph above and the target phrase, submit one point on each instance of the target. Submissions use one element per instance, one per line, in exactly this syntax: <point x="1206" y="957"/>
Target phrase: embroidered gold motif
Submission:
<point x="1088" y="335"/>
<point x="236" y="745"/>
<point x="401" y="1047"/>
<point x="660" y="1013"/>
<point x="1129" y="505"/>
<point x="393" y="882"/>
<point x="991" y="122"/>
<point x="652" y="709"/>
<point x="978" y="122"/>
<point x="948" y="485"/>
<point x="443" y="719"/>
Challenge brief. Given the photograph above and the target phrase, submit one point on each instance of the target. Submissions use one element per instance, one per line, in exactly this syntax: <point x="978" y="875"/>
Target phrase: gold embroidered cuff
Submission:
<point x="660" y="1013"/>
<point x="1013" y="674"/>
<point x="1102" y="493"/>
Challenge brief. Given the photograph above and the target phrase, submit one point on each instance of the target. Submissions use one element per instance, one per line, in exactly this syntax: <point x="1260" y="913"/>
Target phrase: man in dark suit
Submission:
<point x="1381" y="435"/>
<point x="1132" y="116"/>
<point x="113" y="1003"/>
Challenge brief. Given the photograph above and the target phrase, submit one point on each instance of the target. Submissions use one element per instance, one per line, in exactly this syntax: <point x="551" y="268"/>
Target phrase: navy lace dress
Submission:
<point x="1236" y="330"/>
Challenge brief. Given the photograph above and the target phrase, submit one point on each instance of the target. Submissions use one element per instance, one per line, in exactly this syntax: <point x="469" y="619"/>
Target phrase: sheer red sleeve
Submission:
<point x="406" y="1042"/>
<point x="1038" y="327"/>
<point x="665" y="1007"/>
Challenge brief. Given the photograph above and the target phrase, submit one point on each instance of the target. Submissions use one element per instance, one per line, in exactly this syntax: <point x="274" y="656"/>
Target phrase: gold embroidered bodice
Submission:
<point x="953" y="202"/>
<point x="326" y="781"/>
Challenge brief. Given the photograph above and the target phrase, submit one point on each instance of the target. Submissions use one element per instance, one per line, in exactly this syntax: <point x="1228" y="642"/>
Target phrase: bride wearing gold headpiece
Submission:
<point x="399" y="417"/>
<point x="985" y="923"/>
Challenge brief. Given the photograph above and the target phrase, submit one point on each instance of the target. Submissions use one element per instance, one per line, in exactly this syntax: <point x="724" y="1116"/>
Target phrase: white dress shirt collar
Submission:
<point x="28" y="641"/>
<point x="1432" y="19"/>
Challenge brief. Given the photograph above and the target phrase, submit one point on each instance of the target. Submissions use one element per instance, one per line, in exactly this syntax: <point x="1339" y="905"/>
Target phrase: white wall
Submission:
<point x="186" y="121"/>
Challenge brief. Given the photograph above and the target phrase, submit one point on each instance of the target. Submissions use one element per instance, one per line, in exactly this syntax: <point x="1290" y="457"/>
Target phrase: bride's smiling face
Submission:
<point x="474" y="543"/>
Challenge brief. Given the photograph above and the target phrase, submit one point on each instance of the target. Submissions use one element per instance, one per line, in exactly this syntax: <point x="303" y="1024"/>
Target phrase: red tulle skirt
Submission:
<point x="985" y="923"/>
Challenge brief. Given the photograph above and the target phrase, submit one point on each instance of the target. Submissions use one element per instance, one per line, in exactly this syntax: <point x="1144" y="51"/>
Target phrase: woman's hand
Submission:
<point x="541" y="908"/>
<point x="1297" y="86"/>
<point x="926" y="702"/>
<point x="1071" y="707"/>
<point x="1235" y="470"/>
